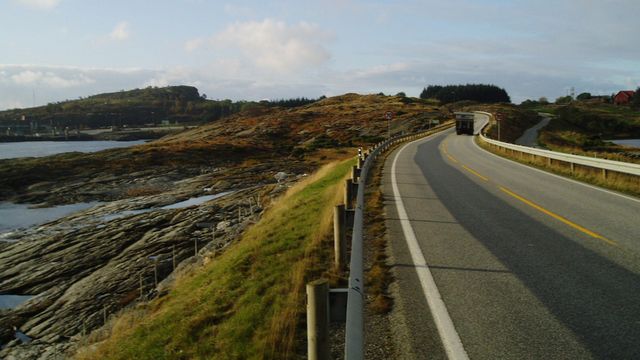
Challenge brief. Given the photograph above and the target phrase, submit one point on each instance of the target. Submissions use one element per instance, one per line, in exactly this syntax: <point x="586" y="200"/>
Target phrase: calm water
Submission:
<point x="20" y="216"/>
<point x="179" y="205"/>
<point x="628" y="142"/>
<point x="11" y="301"/>
<point x="46" y="148"/>
<point x="15" y="216"/>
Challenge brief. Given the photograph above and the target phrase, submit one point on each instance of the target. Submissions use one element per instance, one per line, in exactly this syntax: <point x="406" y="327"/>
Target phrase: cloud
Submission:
<point x="270" y="45"/>
<point x="50" y="79"/>
<point x="120" y="32"/>
<point x="57" y="83"/>
<point x="194" y="44"/>
<point x="38" y="4"/>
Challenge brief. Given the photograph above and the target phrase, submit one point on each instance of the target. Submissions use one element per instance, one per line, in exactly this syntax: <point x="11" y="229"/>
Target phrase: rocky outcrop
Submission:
<point x="88" y="265"/>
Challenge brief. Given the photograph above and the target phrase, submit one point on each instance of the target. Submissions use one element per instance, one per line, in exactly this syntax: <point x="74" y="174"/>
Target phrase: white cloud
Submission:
<point x="39" y="4"/>
<point x="50" y="79"/>
<point x="120" y="32"/>
<point x="271" y="45"/>
<point x="57" y="83"/>
<point x="194" y="44"/>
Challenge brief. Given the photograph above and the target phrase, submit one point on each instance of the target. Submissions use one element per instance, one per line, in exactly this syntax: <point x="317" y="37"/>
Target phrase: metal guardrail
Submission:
<point x="354" y="334"/>
<point x="607" y="165"/>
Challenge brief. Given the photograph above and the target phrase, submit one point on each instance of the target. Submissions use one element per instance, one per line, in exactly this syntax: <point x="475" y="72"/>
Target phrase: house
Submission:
<point x="623" y="97"/>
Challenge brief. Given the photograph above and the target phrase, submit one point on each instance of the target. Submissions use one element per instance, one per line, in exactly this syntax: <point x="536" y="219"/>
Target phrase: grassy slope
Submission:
<point x="249" y="302"/>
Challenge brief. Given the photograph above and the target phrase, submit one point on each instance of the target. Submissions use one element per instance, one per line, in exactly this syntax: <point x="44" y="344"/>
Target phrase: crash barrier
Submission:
<point x="573" y="162"/>
<point x="347" y="305"/>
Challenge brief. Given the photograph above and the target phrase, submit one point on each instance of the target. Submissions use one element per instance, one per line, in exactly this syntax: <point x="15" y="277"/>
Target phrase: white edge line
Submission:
<point x="557" y="176"/>
<point x="447" y="331"/>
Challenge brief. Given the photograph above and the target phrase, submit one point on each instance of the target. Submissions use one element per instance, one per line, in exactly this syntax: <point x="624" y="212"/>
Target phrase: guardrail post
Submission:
<point x="318" y="320"/>
<point x="355" y="172"/>
<point x="339" y="237"/>
<point x="604" y="174"/>
<point x="573" y="167"/>
<point x="360" y="162"/>
<point x="348" y="193"/>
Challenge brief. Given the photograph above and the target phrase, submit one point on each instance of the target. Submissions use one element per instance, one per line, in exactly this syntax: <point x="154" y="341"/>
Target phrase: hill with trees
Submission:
<point x="133" y="108"/>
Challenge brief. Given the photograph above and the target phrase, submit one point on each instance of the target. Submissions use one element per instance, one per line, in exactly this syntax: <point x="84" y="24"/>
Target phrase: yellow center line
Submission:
<point x="475" y="173"/>
<point x="452" y="158"/>
<point x="558" y="217"/>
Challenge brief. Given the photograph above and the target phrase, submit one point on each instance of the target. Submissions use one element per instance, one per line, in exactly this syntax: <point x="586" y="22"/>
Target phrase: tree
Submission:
<point x="543" y="100"/>
<point x="430" y="91"/>
<point x="584" y="96"/>
<point x="401" y="94"/>
<point x="474" y="92"/>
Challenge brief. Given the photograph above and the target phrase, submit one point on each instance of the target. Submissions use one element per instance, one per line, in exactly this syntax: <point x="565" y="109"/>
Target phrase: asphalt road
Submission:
<point x="530" y="136"/>
<point x="527" y="264"/>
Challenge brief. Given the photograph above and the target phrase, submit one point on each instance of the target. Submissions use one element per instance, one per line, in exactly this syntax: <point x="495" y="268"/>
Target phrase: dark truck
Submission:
<point x="464" y="123"/>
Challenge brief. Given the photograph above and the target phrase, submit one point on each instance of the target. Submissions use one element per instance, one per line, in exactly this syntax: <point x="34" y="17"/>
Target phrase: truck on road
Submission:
<point x="464" y="123"/>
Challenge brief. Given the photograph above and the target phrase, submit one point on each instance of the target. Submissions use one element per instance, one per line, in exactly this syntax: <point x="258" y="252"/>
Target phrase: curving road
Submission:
<point x="527" y="264"/>
<point x="530" y="136"/>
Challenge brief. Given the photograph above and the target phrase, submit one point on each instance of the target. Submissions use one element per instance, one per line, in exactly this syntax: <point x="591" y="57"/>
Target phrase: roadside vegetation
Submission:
<point x="584" y="128"/>
<point x="615" y="181"/>
<point x="579" y="127"/>
<point x="247" y="303"/>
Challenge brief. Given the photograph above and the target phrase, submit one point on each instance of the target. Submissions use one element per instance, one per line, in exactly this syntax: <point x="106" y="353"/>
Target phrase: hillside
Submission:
<point x="272" y="135"/>
<point x="85" y="267"/>
<point x="584" y="127"/>
<point x="150" y="106"/>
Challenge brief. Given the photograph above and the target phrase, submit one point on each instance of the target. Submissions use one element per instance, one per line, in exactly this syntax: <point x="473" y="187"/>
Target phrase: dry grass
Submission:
<point x="379" y="276"/>
<point x="248" y="303"/>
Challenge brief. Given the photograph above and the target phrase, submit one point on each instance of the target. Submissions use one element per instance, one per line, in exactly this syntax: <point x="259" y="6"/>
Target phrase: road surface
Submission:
<point x="530" y="136"/>
<point x="528" y="265"/>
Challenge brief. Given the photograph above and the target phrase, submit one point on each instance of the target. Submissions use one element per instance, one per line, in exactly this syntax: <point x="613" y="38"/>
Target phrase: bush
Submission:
<point x="562" y="100"/>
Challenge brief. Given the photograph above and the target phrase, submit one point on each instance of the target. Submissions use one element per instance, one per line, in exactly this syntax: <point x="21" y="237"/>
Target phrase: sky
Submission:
<point x="53" y="50"/>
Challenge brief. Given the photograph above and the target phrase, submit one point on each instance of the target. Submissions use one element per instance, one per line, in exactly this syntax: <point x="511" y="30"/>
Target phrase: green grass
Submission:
<point x="249" y="302"/>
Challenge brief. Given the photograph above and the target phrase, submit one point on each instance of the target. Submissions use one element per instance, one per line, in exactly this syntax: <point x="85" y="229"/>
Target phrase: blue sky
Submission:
<point x="65" y="49"/>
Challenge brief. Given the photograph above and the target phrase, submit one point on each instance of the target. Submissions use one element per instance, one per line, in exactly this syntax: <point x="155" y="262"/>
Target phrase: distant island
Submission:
<point x="124" y="115"/>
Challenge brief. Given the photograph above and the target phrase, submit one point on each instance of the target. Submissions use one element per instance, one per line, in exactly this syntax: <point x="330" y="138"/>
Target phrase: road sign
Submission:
<point x="388" y="115"/>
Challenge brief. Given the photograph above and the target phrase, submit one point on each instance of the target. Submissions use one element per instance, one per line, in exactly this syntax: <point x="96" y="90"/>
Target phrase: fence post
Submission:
<point x="318" y="320"/>
<point x="339" y="237"/>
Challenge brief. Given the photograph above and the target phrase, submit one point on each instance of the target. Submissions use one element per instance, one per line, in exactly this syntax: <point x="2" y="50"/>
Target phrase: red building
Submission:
<point x="623" y="97"/>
